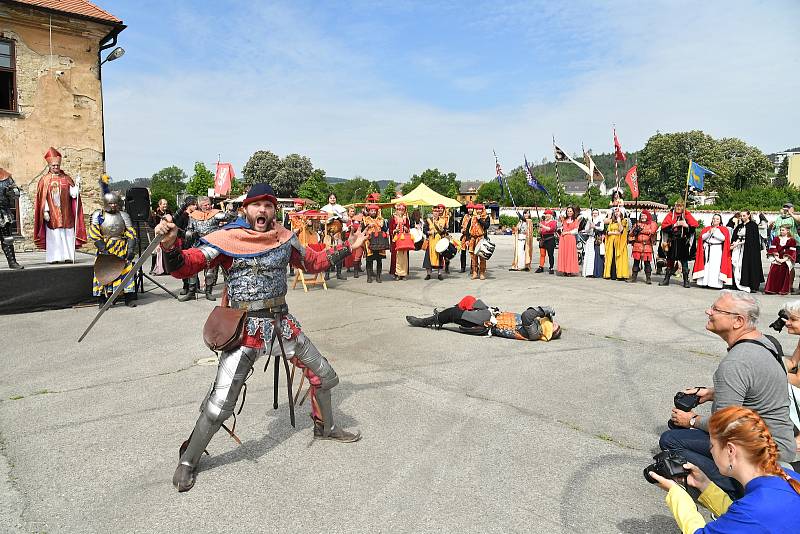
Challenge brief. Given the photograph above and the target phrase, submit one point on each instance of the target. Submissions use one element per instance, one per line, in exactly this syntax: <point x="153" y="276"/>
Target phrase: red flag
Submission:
<point x="619" y="155"/>
<point x="222" y="181"/>
<point x="632" y="179"/>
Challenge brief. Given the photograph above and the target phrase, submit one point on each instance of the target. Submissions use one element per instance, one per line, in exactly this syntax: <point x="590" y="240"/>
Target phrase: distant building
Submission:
<point x="575" y="188"/>
<point x="468" y="191"/>
<point x="51" y="93"/>
<point x="777" y="158"/>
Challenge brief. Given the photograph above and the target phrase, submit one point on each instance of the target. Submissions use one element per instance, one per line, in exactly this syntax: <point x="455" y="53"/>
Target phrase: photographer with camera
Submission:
<point x="751" y="375"/>
<point x="789" y="317"/>
<point x="742" y="448"/>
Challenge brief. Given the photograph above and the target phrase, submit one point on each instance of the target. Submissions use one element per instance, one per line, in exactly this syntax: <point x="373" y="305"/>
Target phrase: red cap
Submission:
<point x="299" y="201"/>
<point x="52" y="156"/>
<point x="4" y="174"/>
<point x="470" y="206"/>
<point x="440" y="206"/>
<point x="479" y="207"/>
<point x="467" y="302"/>
<point x="548" y="211"/>
<point x="373" y="207"/>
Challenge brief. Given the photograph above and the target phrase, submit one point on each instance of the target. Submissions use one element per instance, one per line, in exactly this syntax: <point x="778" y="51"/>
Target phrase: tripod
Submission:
<point x="141" y="228"/>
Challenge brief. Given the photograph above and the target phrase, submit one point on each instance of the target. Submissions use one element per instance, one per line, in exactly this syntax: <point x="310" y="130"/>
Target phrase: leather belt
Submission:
<point x="256" y="305"/>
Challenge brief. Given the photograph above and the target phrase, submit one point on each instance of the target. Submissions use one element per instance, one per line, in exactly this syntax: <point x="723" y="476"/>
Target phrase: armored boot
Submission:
<point x="634" y="276"/>
<point x="8" y="249"/>
<point x="326" y="429"/>
<point x="686" y="278"/>
<point x="433" y="320"/>
<point x="482" y="267"/>
<point x="209" y="290"/>
<point x="378" y="269"/>
<point x="667" y="276"/>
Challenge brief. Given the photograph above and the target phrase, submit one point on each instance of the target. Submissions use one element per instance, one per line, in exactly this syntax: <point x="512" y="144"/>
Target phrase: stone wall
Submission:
<point x="59" y="103"/>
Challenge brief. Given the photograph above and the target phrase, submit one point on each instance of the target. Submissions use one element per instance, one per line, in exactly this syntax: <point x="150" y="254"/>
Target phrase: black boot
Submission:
<point x="339" y="275"/>
<point x="378" y="269"/>
<point x="539" y="270"/>
<point x="634" y="276"/>
<point x="190" y="294"/>
<point x="667" y="276"/>
<point x="8" y="248"/>
<point x="647" y="278"/>
<point x="101" y="300"/>
<point x="686" y="278"/>
<point x="209" y="295"/>
<point x="370" y="274"/>
<point x="185" y="289"/>
<point x="130" y="300"/>
<point x="356" y="270"/>
<point x="433" y="320"/>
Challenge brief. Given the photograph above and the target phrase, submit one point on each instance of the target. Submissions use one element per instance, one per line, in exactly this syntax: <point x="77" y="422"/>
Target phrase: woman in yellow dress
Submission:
<point x="617" y="247"/>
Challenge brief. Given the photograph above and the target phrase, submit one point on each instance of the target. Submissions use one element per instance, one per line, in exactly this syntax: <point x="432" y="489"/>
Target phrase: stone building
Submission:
<point x="51" y="94"/>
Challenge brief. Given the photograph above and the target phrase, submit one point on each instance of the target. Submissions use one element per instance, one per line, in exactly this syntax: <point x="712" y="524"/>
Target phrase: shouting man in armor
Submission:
<point x="9" y="193"/>
<point x="115" y="239"/>
<point x="254" y="252"/>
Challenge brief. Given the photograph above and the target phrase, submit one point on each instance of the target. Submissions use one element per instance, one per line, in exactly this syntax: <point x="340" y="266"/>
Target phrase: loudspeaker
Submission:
<point x="137" y="203"/>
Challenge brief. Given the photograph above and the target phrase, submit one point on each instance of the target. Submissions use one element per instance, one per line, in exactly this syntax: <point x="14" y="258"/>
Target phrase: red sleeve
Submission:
<point x="791" y="249"/>
<point x="667" y="222"/>
<point x="690" y="219"/>
<point x="194" y="261"/>
<point x="314" y="261"/>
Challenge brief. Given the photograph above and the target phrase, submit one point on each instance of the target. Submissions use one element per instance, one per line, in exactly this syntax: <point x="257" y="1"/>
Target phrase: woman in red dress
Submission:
<point x="782" y="254"/>
<point x="567" y="243"/>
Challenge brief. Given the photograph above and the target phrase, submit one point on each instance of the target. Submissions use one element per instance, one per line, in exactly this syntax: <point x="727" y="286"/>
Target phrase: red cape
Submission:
<point x="39" y="224"/>
<point x="670" y="219"/>
<point x="725" y="268"/>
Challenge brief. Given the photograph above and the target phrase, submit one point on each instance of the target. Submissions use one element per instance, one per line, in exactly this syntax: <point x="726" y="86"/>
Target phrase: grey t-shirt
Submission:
<point x="751" y="377"/>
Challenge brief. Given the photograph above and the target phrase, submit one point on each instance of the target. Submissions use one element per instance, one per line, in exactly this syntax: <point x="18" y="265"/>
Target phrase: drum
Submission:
<point x="446" y="248"/>
<point x="418" y="237"/>
<point x="484" y="248"/>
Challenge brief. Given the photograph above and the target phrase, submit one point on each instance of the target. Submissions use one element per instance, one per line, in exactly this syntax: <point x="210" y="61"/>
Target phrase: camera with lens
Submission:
<point x="668" y="464"/>
<point x="780" y="322"/>
<point x="686" y="402"/>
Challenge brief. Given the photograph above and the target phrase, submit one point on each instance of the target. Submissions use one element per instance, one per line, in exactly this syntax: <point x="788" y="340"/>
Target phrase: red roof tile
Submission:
<point x="74" y="7"/>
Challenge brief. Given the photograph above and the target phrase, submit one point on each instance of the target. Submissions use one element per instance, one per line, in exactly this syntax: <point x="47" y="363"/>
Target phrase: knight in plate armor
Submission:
<point x="115" y="240"/>
<point x="202" y="221"/>
<point x="9" y="193"/>
<point x="254" y="251"/>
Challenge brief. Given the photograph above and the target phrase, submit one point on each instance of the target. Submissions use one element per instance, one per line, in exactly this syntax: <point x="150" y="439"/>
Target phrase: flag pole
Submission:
<point x="558" y="179"/>
<point x="616" y="163"/>
<point x="535" y="204"/>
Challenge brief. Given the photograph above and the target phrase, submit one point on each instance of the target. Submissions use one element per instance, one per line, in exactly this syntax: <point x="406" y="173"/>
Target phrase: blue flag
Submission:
<point x="533" y="182"/>
<point x="696" y="175"/>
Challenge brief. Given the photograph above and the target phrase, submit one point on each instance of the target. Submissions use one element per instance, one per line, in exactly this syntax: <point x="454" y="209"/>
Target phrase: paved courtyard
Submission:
<point x="461" y="434"/>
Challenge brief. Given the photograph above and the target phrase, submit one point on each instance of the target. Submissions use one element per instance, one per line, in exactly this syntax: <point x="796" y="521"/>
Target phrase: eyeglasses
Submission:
<point x="714" y="310"/>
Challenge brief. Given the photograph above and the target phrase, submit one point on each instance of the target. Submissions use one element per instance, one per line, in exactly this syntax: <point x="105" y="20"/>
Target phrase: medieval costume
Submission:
<point x="746" y="256"/>
<point x="255" y="263"/>
<point x="353" y="224"/>
<point x="58" y="225"/>
<point x="474" y="317"/>
<point x="594" y="251"/>
<point x="202" y="222"/>
<point x="547" y="240"/>
<point x="333" y="208"/>
<point x="616" y="263"/>
<point x="182" y="222"/>
<point x="568" y="244"/>
<point x="9" y="193"/>
<point x="435" y="228"/>
<point x="115" y="240"/>
<point x="679" y="230"/>
<point x="643" y="235"/>
<point x="401" y="242"/>
<point x="477" y="225"/>
<point x="161" y="211"/>
<point x="377" y="242"/>
<point x="782" y="255"/>
<point x="334" y="240"/>
<point x="712" y="266"/>
<point x="523" y="244"/>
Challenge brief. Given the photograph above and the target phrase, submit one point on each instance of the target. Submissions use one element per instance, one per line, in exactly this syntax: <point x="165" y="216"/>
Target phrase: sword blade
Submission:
<point x="121" y="287"/>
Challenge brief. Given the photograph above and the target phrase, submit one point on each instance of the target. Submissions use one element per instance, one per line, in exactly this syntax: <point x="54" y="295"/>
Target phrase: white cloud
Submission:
<point x="730" y="69"/>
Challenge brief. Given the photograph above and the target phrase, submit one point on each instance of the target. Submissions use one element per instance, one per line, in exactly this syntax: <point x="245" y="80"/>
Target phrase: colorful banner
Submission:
<point x="223" y="179"/>
<point x="632" y="179"/>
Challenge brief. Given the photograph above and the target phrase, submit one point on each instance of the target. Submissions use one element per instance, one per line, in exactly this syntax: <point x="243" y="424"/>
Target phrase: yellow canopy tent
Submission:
<point x="422" y="195"/>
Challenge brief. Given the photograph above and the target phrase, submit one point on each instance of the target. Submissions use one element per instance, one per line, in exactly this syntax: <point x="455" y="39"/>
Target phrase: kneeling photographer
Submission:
<point x="750" y="375"/>
<point x="743" y="449"/>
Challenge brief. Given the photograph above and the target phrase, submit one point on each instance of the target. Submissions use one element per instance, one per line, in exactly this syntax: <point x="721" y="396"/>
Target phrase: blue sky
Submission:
<point x="388" y="89"/>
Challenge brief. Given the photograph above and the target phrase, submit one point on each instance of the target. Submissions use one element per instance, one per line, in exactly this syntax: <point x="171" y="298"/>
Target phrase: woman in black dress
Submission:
<point x="746" y="254"/>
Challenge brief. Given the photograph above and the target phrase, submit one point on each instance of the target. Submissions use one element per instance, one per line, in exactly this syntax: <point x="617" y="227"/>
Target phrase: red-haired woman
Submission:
<point x="743" y="449"/>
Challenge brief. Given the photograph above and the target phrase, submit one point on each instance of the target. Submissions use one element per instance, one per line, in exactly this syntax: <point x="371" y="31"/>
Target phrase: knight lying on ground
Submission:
<point x="254" y="251"/>
<point x="474" y="317"/>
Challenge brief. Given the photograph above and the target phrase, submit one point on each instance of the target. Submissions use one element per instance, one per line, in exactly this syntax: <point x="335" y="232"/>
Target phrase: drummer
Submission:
<point x="435" y="228"/>
<point x="476" y="226"/>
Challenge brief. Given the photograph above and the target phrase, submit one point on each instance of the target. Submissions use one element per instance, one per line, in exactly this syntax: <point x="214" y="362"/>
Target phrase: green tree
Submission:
<point x="782" y="178"/>
<point x="262" y="167"/>
<point x="201" y="182"/>
<point x="389" y="192"/>
<point x="168" y="183"/>
<point x="315" y="188"/>
<point x="444" y="184"/>
<point x="354" y="190"/>
<point x="295" y="169"/>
